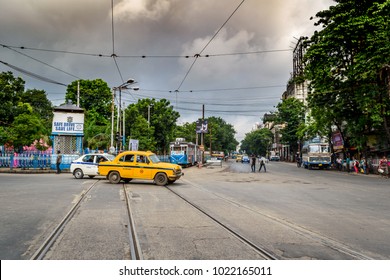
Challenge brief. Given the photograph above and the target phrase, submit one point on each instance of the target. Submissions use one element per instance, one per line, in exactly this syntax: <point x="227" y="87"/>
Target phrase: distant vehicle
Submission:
<point x="274" y="158"/>
<point x="184" y="153"/>
<point x="316" y="154"/>
<point x="218" y="155"/>
<point x="88" y="165"/>
<point x="245" y="159"/>
<point x="142" y="165"/>
<point x="238" y="158"/>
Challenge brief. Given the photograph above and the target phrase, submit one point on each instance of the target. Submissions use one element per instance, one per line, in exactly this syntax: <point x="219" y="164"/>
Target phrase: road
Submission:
<point x="291" y="212"/>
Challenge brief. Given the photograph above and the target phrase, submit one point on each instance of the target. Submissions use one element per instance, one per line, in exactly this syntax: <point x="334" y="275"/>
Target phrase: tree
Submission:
<point x="257" y="142"/>
<point x="40" y="105"/>
<point x="291" y="113"/>
<point x="186" y="131"/>
<point x="95" y="98"/>
<point x="11" y="89"/>
<point x="25" y="116"/>
<point x="343" y="62"/>
<point x="94" y="95"/>
<point x="97" y="131"/>
<point x="220" y="136"/>
<point x="25" y="129"/>
<point x="159" y="132"/>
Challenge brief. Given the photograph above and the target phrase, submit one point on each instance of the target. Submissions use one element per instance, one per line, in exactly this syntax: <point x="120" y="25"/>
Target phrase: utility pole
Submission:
<point x="112" y="120"/>
<point x="202" y="134"/>
<point x="78" y="93"/>
<point x="124" y="134"/>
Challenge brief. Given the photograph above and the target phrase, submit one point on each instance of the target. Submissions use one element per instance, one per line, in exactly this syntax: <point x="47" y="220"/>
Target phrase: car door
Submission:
<point x="97" y="160"/>
<point x="142" y="169"/>
<point x="126" y="166"/>
<point x="89" y="165"/>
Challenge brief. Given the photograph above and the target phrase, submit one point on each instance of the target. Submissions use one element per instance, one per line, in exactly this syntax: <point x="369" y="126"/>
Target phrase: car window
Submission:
<point x="101" y="159"/>
<point x="88" y="158"/>
<point x="127" y="158"/>
<point x="110" y="157"/>
<point x="154" y="158"/>
<point x="141" y="159"/>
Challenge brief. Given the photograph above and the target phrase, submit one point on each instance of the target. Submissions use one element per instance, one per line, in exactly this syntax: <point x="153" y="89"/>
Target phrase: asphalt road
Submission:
<point x="293" y="212"/>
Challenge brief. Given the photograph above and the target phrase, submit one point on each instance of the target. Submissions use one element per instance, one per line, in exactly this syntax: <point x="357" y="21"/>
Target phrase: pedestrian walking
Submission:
<point x="339" y="163"/>
<point x="383" y="168"/>
<point x="58" y="161"/>
<point x="356" y="165"/>
<point x="262" y="164"/>
<point x="253" y="163"/>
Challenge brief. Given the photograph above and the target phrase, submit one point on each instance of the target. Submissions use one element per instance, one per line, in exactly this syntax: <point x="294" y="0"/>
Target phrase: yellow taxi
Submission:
<point x="238" y="158"/>
<point x="139" y="165"/>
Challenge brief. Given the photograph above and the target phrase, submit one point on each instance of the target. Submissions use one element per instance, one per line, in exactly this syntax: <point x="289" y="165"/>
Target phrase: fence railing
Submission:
<point x="34" y="160"/>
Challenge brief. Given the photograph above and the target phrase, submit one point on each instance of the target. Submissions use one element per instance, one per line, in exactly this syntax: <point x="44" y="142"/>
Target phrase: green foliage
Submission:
<point x="220" y="136"/>
<point x="25" y="130"/>
<point x="257" y="142"/>
<point x="291" y="113"/>
<point x="94" y="95"/>
<point x="144" y="133"/>
<point x="97" y="131"/>
<point x="343" y="63"/>
<point x="156" y="135"/>
<point x="11" y="89"/>
<point x="186" y="131"/>
<point x="25" y="116"/>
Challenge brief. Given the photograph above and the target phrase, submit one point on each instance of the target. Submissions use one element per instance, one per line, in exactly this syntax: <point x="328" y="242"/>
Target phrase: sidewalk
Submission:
<point x="30" y="171"/>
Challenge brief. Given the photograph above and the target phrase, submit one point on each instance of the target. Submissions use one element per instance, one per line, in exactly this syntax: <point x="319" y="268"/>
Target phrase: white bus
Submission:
<point x="316" y="154"/>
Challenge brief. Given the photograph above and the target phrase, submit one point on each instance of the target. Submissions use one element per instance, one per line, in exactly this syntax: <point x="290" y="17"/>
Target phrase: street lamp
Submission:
<point x="120" y="87"/>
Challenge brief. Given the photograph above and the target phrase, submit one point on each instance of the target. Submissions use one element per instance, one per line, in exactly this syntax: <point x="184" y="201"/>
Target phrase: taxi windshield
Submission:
<point x="153" y="158"/>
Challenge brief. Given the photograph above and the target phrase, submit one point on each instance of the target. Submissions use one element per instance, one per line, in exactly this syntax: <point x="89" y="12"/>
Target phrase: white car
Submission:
<point x="88" y="165"/>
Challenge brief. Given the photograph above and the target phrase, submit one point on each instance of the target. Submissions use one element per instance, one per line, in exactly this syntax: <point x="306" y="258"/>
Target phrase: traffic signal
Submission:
<point x="117" y="136"/>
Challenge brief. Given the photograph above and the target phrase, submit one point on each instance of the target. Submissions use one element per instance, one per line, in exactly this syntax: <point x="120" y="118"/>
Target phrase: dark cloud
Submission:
<point x="163" y="28"/>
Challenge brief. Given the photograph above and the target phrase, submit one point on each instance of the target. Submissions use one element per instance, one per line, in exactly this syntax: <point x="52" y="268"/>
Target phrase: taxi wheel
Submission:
<point x="78" y="173"/>
<point x="161" y="179"/>
<point x="114" y="177"/>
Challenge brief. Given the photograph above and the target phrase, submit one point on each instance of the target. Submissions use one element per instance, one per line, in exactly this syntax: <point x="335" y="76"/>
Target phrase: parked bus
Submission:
<point x="184" y="153"/>
<point x="316" y="154"/>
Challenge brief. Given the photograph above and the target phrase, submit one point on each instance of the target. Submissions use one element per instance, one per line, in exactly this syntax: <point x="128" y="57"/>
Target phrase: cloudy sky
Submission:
<point x="174" y="49"/>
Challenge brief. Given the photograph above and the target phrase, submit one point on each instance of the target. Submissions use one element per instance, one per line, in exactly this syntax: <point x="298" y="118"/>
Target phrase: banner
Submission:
<point x="202" y="127"/>
<point x="68" y="123"/>
<point x="133" y="145"/>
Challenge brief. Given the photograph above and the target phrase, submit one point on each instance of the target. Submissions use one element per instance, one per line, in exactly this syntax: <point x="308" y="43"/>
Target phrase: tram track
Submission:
<point x="49" y="243"/>
<point x="297" y="229"/>
<point x="135" y="250"/>
<point x="264" y="250"/>
<point x="51" y="239"/>
<point x="257" y="248"/>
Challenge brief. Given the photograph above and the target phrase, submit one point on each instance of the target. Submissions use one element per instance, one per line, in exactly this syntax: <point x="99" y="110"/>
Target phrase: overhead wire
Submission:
<point x="144" y="56"/>
<point x="208" y="43"/>
<point x="40" y="61"/>
<point x="196" y="57"/>
<point x="36" y="76"/>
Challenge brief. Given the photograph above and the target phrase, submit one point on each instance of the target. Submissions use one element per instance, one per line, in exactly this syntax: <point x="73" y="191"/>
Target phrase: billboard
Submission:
<point x="201" y="126"/>
<point x="68" y="123"/>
